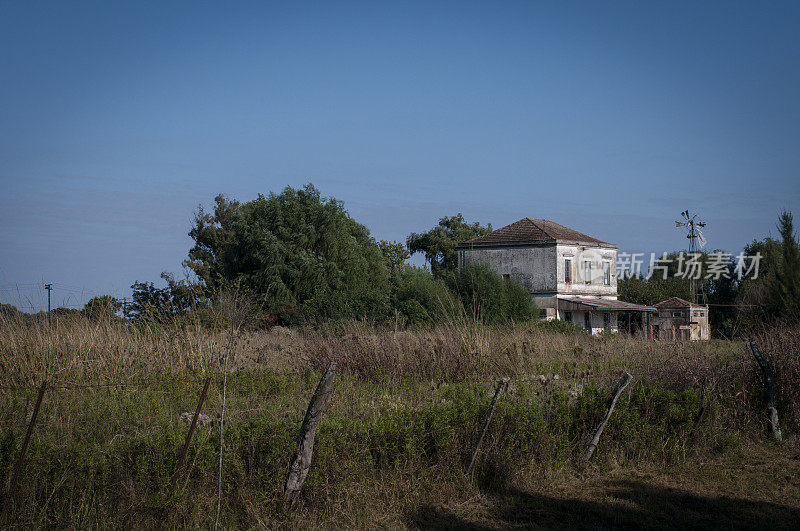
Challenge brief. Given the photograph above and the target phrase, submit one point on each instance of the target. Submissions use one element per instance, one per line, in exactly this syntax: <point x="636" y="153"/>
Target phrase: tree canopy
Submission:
<point x="439" y="243"/>
<point x="102" y="307"/>
<point x="395" y="254"/>
<point x="776" y="291"/>
<point x="784" y="283"/>
<point x="300" y="252"/>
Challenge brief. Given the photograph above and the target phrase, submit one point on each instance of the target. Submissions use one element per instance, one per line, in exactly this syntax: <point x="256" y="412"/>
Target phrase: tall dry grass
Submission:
<point x="78" y="350"/>
<point x="406" y="410"/>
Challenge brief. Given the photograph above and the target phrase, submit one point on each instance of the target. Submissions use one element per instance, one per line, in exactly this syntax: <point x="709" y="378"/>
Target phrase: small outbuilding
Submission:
<point x="678" y="319"/>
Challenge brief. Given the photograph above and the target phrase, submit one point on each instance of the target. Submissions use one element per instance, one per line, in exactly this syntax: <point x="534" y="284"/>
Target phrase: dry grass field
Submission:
<point x="400" y="427"/>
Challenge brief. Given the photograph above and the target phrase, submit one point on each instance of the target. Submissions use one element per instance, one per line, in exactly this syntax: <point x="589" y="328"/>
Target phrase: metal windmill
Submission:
<point x="694" y="235"/>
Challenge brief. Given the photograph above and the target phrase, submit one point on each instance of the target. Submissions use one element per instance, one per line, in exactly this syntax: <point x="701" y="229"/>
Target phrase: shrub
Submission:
<point x="421" y="298"/>
<point x="490" y="298"/>
<point x="561" y="327"/>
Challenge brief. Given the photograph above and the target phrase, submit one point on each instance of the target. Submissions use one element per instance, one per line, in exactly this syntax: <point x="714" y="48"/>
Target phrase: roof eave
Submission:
<point x="604" y="245"/>
<point x="489" y="245"/>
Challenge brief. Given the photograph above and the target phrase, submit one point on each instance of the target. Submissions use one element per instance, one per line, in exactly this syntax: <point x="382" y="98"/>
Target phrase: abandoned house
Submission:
<point x="678" y="319"/>
<point x="570" y="275"/>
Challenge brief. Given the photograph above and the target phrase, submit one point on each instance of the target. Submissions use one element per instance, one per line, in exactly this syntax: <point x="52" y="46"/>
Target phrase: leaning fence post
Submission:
<point x="21" y="459"/>
<point x="701" y="412"/>
<point x="192" y="427"/>
<point x="486" y="421"/>
<point x="301" y="459"/>
<point x="769" y="389"/>
<point x="623" y="383"/>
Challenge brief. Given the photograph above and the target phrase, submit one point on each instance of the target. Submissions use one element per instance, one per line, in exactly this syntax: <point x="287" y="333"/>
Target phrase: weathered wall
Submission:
<point x="534" y="267"/>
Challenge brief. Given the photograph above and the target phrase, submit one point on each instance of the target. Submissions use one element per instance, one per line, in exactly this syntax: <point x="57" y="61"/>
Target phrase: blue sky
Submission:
<point x="117" y="120"/>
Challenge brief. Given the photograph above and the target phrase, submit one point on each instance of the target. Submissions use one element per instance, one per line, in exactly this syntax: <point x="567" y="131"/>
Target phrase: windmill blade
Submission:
<point x="701" y="239"/>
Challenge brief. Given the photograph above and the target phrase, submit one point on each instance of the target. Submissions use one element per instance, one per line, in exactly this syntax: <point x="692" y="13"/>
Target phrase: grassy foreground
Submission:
<point x="399" y="429"/>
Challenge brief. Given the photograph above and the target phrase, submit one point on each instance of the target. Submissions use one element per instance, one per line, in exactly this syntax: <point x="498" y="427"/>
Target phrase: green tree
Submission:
<point x="784" y="282"/>
<point x="395" y="254"/>
<point x="439" y="244"/>
<point x="775" y="292"/>
<point x="178" y="297"/>
<point x="302" y="254"/>
<point x="753" y="293"/>
<point x="103" y="307"/>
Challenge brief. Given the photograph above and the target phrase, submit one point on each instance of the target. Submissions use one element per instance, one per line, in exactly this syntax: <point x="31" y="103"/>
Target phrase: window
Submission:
<point x="606" y="320"/>
<point x="568" y="316"/>
<point x="567" y="270"/>
<point x="676" y="314"/>
<point x="587" y="320"/>
<point x="587" y="272"/>
<point x="506" y="276"/>
<point x="607" y="273"/>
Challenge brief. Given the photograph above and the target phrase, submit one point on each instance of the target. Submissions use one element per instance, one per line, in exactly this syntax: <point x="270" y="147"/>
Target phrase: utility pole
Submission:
<point x="693" y="224"/>
<point x="49" y="288"/>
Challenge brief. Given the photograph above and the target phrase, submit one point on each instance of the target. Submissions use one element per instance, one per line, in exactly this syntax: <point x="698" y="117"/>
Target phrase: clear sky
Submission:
<point x="117" y="120"/>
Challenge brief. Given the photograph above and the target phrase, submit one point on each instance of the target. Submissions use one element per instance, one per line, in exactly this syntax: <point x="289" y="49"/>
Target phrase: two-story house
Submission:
<point x="570" y="275"/>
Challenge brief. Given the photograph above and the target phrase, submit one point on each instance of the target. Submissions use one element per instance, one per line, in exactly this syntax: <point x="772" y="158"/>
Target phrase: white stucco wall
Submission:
<point x="597" y="256"/>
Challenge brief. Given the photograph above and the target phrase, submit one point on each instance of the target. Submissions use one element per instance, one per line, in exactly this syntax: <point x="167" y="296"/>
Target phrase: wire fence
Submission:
<point x="179" y="395"/>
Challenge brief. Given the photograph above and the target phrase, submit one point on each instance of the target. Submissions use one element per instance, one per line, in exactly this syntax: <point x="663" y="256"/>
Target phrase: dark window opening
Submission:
<point x="568" y="316"/>
<point x="567" y="270"/>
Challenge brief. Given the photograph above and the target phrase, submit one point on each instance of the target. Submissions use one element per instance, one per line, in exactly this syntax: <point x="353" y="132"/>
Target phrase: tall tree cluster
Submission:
<point x="300" y="254"/>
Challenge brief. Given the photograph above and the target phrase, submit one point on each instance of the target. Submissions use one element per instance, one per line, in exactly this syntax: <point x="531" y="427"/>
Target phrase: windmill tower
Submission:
<point x="693" y="226"/>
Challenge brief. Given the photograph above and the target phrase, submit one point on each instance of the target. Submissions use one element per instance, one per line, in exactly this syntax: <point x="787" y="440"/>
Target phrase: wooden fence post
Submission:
<point x="301" y="459"/>
<point x="21" y="458"/>
<point x="769" y="389"/>
<point x="486" y="420"/>
<point x="701" y="412"/>
<point x="192" y="427"/>
<point x="623" y="383"/>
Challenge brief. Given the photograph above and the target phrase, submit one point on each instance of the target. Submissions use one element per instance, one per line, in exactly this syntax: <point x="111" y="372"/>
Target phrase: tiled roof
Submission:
<point x="529" y="231"/>
<point x="676" y="302"/>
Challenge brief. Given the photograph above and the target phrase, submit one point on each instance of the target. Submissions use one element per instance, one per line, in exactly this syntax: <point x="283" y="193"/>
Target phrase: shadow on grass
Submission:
<point x="627" y="505"/>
